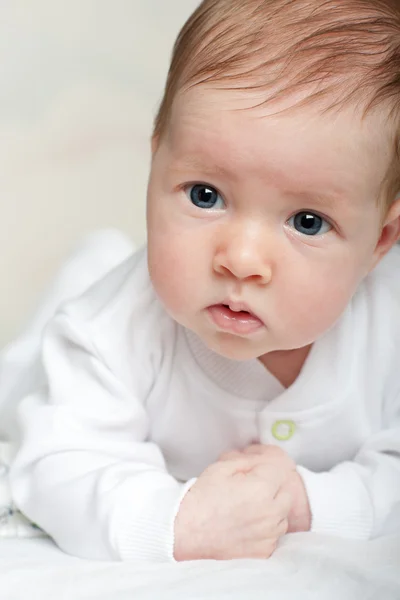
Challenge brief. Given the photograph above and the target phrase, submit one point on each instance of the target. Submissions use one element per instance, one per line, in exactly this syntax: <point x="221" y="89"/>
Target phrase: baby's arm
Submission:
<point x="360" y="499"/>
<point x="357" y="499"/>
<point x="85" y="472"/>
<point x="88" y="476"/>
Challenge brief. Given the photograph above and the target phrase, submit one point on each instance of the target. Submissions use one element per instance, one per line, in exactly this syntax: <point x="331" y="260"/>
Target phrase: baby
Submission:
<point x="238" y="379"/>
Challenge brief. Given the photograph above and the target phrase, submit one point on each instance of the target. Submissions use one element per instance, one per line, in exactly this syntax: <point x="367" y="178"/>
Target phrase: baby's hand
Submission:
<point x="236" y="509"/>
<point x="300" y="513"/>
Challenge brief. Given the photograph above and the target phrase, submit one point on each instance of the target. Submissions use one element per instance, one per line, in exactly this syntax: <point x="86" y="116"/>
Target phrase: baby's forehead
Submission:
<point x="234" y="107"/>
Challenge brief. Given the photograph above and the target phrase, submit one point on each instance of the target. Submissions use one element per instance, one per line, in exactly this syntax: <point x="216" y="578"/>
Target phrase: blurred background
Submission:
<point x="80" y="83"/>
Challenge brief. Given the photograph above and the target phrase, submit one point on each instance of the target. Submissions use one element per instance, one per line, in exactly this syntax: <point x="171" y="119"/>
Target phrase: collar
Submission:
<point x="326" y="376"/>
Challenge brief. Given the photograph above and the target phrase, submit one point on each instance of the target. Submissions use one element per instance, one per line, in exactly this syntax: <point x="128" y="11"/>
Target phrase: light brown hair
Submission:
<point x="343" y="51"/>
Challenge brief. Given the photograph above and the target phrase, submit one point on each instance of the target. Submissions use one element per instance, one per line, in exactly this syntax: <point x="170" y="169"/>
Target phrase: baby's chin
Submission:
<point x="235" y="347"/>
<point x="243" y="349"/>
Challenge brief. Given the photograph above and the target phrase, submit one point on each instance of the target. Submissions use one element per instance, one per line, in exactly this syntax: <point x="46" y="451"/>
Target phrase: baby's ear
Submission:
<point x="390" y="233"/>
<point x="154" y="143"/>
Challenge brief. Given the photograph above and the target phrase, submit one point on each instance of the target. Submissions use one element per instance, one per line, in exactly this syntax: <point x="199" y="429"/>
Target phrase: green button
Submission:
<point x="283" y="430"/>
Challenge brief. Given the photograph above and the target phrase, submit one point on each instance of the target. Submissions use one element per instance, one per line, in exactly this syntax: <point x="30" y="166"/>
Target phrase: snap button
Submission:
<point x="283" y="430"/>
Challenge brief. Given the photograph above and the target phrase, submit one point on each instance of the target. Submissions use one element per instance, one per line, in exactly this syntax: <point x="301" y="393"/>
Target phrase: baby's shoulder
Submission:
<point x="381" y="296"/>
<point x="122" y="307"/>
<point x="376" y="307"/>
<point x="121" y="290"/>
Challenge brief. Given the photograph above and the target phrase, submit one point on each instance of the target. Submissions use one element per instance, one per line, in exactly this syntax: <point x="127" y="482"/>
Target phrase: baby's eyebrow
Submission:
<point x="193" y="164"/>
<point x="330" y="201"/>
<point x="328" y="198"/>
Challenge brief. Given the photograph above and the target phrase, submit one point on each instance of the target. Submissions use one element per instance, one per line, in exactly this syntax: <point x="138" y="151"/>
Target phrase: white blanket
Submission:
<point x="305" y="567"/>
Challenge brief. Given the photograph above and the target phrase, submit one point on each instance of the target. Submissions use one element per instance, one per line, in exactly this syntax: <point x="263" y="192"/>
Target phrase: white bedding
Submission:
<point x="305" y="567"/>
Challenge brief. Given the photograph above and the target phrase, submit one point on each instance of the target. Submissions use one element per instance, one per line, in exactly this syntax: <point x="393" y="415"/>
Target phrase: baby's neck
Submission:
<point x="286" y="365"/>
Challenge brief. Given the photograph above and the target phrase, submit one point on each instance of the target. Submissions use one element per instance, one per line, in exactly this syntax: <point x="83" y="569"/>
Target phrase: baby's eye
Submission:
<point x="205" y="196"/>
<point x="309" y="223"/>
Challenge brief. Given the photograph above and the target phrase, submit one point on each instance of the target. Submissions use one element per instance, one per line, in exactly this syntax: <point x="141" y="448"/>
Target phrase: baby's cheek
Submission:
<point x="316" y="306"/>
<point x="167" y="272"/>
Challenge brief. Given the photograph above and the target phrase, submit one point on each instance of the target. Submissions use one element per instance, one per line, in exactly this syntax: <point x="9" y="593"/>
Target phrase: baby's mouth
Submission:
<point x="238" y="313"/>
<point x="235" y="318"/>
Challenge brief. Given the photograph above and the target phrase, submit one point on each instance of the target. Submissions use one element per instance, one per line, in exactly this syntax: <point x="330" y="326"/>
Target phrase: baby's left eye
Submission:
<point x="309" y="223"/>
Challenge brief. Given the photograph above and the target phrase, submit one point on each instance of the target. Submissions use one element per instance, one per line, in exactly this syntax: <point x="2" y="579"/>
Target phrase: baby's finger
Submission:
<point x="256" y="449"/>
<point x="283" y="502"/>
<point x="273" y="477"/>
<point x="283" y="527"/>
<point x="232" y="455"/>
<point x="271" y="454"/>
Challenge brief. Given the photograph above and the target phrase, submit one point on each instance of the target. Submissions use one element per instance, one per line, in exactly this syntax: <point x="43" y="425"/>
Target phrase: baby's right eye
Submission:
<point x="205" y="196"/>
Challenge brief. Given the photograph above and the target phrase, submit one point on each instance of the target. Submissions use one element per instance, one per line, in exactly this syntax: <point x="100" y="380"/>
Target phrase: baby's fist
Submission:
<point x="300" y="513"/>
<point x="236" y="509"/>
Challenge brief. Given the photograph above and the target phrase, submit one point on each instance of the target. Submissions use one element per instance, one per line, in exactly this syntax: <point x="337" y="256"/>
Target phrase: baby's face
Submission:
<point x="272" y="216"/>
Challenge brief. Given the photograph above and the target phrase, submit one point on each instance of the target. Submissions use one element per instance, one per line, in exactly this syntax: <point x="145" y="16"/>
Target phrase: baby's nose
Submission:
<point x="242" y="257"/>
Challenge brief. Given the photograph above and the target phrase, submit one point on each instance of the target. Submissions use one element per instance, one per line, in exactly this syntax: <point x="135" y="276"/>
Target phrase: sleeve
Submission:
<point x="360" y="499"/>
<point x="86" y="472"/>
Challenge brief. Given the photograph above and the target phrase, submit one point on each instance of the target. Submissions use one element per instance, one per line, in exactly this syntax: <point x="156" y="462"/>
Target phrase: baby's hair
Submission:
<point x="335" y="52"/>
